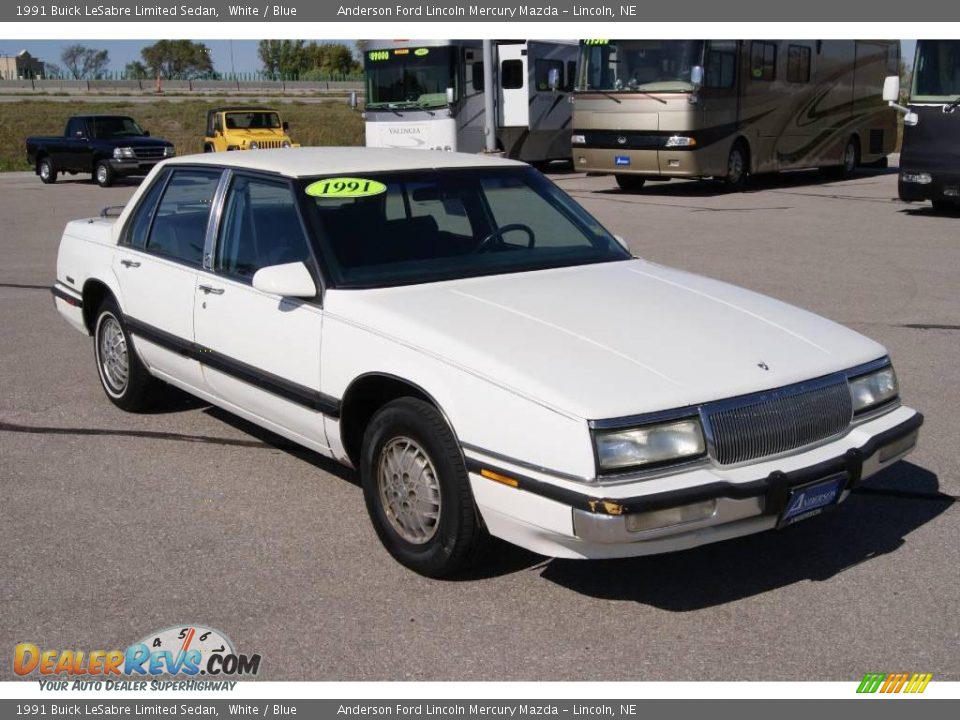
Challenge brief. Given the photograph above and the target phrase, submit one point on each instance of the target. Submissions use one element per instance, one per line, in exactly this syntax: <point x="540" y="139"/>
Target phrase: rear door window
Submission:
<point x="180" y="225"/>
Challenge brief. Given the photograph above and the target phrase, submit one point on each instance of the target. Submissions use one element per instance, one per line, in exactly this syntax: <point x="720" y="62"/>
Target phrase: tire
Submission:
<point x="208" y="148"/>
<point x="850" y="160"/>
<point x="47" y="171"/>
<point x="103" y="174"/>
<point x="630" y="183"/>
<point x="738" y="167"/>
<point x="442" y="533"/>
<point x="124" y="378"/>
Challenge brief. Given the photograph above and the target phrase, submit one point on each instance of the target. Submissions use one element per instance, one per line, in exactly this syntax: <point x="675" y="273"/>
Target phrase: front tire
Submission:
<point x="47" y="171"/>
<point x="103" y="174"/>
<point x="124" y="378"/>
<point x="738" y="167"/>
<point x="851" y="159"/>
<point x="630" y="183"/>
<point x="417" y="491"/>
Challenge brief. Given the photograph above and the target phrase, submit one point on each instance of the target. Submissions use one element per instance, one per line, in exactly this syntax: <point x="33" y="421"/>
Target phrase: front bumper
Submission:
<point x="132" y="166"/>
<point x="559" y="521"/>
<point x="709" y="161"/>
<point x="944" y="187"/>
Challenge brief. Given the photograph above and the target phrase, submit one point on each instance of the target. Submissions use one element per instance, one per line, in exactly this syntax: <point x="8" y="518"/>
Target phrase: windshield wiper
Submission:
<point x="649" y="95"/>
<point x="952" y="106"/>
<point x="613" y="97"/>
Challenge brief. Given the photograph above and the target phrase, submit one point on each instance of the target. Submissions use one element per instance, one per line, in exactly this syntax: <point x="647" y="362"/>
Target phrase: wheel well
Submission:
<point x="741" y="140"/>
<point x="36" y="163"/>
<point x="363" y="398"/>
<point x="94" y="293"/>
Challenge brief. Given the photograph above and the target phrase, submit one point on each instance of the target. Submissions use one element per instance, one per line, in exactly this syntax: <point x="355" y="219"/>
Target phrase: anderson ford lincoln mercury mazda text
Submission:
<point x="490" y="358"/>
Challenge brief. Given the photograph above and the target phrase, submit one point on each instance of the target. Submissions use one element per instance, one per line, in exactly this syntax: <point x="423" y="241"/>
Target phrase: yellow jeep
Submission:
<point x="245" y="128"/>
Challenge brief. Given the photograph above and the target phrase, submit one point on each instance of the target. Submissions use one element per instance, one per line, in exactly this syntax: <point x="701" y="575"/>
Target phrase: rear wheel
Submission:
<point x="417" y="491"/>
<point x="103" y="174"/>
<point x="738" y="167"/>
<point x="630" y="182"/>
<point x="124" y="378"/>
<point x="47" y="171"/>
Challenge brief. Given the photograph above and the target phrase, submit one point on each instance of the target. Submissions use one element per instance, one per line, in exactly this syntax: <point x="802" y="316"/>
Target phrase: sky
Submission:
<point x="244" y="51"/>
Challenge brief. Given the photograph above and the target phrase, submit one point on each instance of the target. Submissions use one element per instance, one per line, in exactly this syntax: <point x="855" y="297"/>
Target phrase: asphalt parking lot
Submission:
<point x="115" y="525"/>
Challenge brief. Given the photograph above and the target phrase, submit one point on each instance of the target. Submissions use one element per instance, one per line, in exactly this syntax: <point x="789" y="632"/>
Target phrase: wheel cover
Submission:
<point x="850" y="157"/>
<point x="409" y="490"/>
<point x="735" y="165"/>
<point x="101" y="173"/>
<point x="45" y="170"/>
<point x="112" y="352"/>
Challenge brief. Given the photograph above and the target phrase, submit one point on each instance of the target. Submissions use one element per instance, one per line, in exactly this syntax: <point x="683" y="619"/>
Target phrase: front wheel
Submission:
<point x="417" y="491"/>
<point x="630" y="183"/>
<point x="738" y="167"/>
<point x="124" y="378"/>
<point x="104" y="174"/>
<point x="47" y="171"/>
<point x="851" y="159"/>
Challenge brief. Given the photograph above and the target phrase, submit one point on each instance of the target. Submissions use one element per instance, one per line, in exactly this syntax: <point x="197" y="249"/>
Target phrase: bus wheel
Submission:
<point x="851" y="158"/>
<point x="738" y="167"/>
<point x="630" y="182"/>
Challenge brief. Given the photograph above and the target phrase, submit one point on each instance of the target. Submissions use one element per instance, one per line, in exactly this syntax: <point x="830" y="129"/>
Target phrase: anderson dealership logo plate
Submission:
<point x="805" y="502"/>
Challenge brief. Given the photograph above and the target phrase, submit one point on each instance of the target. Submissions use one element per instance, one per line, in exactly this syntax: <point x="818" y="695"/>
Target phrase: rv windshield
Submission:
<point x="409" y="78"/>
<point x="410" y="227"/>
<point x="638" y="65"/>
<point x="936" y="73"/>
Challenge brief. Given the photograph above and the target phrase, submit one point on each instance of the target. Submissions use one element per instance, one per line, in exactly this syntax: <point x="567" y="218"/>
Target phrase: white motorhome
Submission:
<point x="429" y="94"/>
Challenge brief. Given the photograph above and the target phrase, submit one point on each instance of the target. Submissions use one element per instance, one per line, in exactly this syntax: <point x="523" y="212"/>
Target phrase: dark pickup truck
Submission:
<point x="106" y="146"/>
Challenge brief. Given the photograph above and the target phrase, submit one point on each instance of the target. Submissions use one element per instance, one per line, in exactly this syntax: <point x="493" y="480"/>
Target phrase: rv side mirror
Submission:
<point x="449" y="96"/>
<point x="553" y="79"/>
<point x="696" y="76"/>
<point x="891" y="89"/>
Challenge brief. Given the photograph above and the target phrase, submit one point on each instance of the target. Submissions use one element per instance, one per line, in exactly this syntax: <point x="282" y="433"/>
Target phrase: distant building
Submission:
<point x="22" y="66"/>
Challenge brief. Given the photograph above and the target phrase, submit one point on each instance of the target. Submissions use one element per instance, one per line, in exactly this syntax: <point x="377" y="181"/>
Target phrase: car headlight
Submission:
<point x="169" y="151"/>
<point x="656" y="444"/>
<point x="680" y="141"/>
<point x="874" y="389"/>
<point x="285" y="143"/>
<point x="123" y="153"/>
<point x="254" y="145"/>
<point x="578" y="139"/>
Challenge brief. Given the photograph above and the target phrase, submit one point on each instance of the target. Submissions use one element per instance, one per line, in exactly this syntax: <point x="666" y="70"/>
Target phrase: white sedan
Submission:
<point x="488" y="356"/>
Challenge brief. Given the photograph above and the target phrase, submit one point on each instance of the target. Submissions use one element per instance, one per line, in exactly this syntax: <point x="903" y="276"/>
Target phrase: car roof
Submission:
<point x="243" y="108"/>
<point x="310" y="161"/>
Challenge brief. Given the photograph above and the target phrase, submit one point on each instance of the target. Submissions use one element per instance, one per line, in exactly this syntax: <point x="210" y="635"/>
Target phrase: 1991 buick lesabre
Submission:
<point x="489" y="357"/>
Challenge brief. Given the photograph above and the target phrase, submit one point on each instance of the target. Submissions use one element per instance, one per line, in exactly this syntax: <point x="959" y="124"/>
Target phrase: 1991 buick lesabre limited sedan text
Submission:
<point x="481" y="349"/>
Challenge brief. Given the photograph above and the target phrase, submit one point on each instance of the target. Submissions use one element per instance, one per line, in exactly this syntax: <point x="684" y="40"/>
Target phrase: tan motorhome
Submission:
<point x="659" y="109"/>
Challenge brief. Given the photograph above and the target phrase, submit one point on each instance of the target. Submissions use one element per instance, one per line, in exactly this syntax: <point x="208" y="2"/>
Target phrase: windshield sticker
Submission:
<point x="345" y="187"/>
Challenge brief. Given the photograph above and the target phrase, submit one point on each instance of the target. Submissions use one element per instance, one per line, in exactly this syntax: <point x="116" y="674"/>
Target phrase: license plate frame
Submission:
<point x="812" y="499"/>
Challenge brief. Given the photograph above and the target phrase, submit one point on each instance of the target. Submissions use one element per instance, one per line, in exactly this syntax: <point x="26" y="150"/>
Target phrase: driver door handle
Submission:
<point x="210" y="290"/>
<point x="130" y="263"/>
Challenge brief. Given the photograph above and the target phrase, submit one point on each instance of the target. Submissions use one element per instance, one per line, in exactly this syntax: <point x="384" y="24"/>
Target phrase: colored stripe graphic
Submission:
<point x="894" y="682"/>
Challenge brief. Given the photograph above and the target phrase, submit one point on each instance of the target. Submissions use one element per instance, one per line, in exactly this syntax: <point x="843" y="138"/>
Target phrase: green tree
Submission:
<point x="178" y="59"/>
<point x="136" y="70"/>
<point x="297" y="58"/>
<point x="85" y="63"/>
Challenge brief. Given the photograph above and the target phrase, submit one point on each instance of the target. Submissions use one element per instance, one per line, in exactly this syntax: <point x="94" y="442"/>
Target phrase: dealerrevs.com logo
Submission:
<point x="182" y="650"/>
<point x="887" y="683"/>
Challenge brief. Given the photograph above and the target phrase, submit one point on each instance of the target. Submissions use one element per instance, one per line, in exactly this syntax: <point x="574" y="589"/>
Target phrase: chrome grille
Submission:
<point x="148" y="153"/>
<point x="269" y="144"/>
<point x="778" y="421"/>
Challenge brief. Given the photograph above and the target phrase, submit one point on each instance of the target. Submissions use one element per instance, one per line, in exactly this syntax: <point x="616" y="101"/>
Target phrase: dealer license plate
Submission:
<point x="809" y="500"/>
<point x="622" y="159"/>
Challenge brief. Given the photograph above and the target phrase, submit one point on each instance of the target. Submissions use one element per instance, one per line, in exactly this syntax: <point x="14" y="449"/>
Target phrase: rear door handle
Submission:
<point x="210" y="290"/>
<point x="130" y="263"/>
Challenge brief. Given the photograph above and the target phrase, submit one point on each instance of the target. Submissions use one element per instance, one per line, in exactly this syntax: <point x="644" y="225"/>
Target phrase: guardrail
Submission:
<point x="199" y="86"/>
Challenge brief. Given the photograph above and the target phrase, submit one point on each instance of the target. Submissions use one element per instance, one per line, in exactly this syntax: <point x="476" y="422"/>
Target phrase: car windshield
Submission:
<point x="106" y="127"/>
<point x="409" y="77"/>
<point x="638" y="65"/>
<point x="252" y="120"/>
<point x="936" y="76"/>
<point x="401" y="228"/>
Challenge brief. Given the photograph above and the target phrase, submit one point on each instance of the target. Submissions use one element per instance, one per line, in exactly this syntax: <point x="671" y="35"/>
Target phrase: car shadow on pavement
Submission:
<point x="929" y="211"/>
<point x="875" y="520"/>
<point x="757" y="183"/>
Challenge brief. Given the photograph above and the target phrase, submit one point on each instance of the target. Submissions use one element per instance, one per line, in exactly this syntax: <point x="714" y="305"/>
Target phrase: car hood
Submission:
<point x="611" y="339"/>
<point x="137" y="141"/>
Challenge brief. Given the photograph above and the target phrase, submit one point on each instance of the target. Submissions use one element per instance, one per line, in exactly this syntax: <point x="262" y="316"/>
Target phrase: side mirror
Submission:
<point x="291" y="280"/>
<point x="146" y="133"/>
<point x="623" y="243"/>
<point x="696" y="76"/>
<point x="450" y="96"/>
<point x="553" y="79"/>
<point x="891" y="88"/>
<point x="286" y="126"/>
